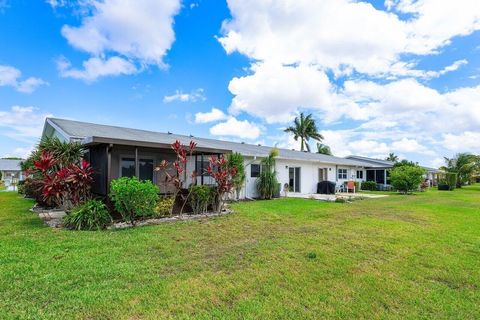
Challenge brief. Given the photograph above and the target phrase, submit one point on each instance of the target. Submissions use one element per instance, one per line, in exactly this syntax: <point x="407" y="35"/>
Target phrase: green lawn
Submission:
<point x="396" y="257"/>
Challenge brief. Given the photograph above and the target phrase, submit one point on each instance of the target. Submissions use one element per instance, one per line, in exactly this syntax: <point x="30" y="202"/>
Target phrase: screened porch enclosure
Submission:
<point x="380" y="176"/>
<point x="112" y="161"/>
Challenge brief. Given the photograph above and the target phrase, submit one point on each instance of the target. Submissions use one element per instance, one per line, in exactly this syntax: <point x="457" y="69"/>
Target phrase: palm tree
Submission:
<point x="304" y="128"/>
<point x="392" y="157"/>
<point x="464" y="165"/>
<point x="324" y="149"/>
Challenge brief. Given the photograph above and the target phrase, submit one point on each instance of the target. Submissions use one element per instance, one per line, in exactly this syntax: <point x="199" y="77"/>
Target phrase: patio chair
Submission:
<point x="351" y="186"/>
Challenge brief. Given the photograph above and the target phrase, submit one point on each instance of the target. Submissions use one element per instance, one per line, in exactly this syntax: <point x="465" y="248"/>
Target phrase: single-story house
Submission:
<point x="379" y="171"/>
<point x="10" y="172"/>
<point x="116" y="151"/>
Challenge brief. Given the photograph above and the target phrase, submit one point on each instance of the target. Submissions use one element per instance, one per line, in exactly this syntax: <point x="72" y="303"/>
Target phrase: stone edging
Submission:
<point x="183" y="217"/>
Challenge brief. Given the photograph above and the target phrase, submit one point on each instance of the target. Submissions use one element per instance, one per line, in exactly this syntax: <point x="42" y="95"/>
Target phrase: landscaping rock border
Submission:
<point x="54" y="218"/>
<point x="183" y="217"/>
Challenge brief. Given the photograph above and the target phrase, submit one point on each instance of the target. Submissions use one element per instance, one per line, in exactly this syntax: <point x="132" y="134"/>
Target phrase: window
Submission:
<point x="254" y="170"/>
<point x="294" y="179"/>
<point x="370" y="175"/>
<point x="380" y="176"/>
<point x="359" y="174"/>
<point x="145" y="169"/>
<point x="342" y="173"/>
<point x="201" y="167"/>
<point x="127" y="166"/>
<point x="322" y="174"/>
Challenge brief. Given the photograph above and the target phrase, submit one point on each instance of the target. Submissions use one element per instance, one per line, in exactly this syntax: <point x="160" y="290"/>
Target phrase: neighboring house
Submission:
<point x="379" y="170"/>
<point x="11" y="172"/>
<point x="115" y="152"/>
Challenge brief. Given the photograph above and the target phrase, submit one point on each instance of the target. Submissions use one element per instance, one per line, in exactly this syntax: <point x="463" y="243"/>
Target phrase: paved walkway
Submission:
<point x="332" y="197"/>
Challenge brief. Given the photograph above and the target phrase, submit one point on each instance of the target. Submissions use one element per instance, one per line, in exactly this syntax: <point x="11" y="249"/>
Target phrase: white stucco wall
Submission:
<point x="309" y="175"/>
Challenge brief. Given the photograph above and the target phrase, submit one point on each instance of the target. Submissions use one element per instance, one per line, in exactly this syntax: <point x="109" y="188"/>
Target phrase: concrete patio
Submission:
<point x="333" y="197"/>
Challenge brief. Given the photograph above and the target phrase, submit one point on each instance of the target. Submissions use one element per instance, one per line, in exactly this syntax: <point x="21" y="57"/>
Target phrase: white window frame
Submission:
<point x="359" y="171"/>
<point x="342" y="174"/>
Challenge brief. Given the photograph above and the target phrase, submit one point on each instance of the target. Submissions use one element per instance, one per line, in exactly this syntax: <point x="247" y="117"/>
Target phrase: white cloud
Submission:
<point x="20" y="152"/>
<point x="22" y="123"/>
<point x="56" y="3"/>
<point x="139" y="31"/>
<point x="236" y="128"/>
<point x="194" y="96"/>
<point x="276" y="93"/>
<point x="10" y="76"/>
<point x="94" y="68"/>
<point x="214" y="115"/>
<point x="338" y="34"/>
<point x="467" y="141"/>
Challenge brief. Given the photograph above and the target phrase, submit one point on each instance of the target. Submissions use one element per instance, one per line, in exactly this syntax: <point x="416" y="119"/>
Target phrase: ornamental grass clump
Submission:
<point x="92" y="215"/>
<point x="133" y="198"/>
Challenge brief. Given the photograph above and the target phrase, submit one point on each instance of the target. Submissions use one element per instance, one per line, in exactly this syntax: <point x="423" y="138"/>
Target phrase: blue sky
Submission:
<point x="397" y="76"/>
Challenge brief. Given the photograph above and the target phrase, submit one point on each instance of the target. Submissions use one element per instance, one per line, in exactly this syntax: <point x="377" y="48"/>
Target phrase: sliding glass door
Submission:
<point x="294" y="179"/>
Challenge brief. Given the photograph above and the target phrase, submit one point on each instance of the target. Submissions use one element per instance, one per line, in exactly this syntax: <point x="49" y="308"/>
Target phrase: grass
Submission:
<point x="396" y="257"/>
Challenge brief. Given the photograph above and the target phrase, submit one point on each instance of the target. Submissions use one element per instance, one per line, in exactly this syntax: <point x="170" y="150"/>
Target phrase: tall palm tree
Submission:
<point x="323" y="149"/>
<point x="304" y="128"/>
<point x="465" y="165"/>
<point x="392" y="157"/>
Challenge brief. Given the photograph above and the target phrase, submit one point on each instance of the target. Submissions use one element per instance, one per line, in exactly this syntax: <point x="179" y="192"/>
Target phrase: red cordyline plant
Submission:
<point x="65" y="187"/>
<point x="223" y="176"/>
<point x="179" y="165"/>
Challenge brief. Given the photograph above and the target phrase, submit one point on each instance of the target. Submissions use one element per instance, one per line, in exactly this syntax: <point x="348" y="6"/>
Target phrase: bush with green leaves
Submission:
<point x="267" y="183"/>
<point x="201" y="196"/>
<point x="164" y="206"/>
<point x="92" y="215"/>
<point x="406" y="179"/>
<point x="236" y="160"/>
<point x="133" y="198"/>
<point x="369" y="185"/>
<point x="21" y="187"/>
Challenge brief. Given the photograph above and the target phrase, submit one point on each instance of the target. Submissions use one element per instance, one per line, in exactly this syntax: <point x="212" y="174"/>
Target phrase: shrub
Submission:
<point x="200" y="198"/>
<point x="92" y="215"/>
<point x="223" y="175"/>
<point x="407" y="178"/>
<point x="21" y="187"/>
<point x="133" y="198"/>
<point x="267" y="183"/>
<point x="451" y="180"/>
<point x="369" y="185"/>
<point x="236" y="160"/>
<point x="164" y="206"/>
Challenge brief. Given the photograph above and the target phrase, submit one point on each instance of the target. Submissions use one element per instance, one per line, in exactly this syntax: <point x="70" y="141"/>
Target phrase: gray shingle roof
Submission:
<point x="77" y="129"/>
<point x="10" y="165"/>
<point x="373" y="162"/>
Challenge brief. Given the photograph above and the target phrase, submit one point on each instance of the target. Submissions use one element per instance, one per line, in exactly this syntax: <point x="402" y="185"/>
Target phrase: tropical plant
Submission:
<point x="267" y="183"/>
<point x="133" y="198"/>
<point x="323" y="149"/>
<point x="236" y="160"/>
<point x="179" y="166"/>
<point x="404" y="163"/>
<point x="407" y="178"/>
<point x="304" y="127"/>
<point x="164" y="206"/>
<point x="223" y="175"/>
<point x="61" y="186"/>
<point x="392" y="157"/>
<point x="369" y="185"/>
<point x="465" y="165"/>
<point x="64" y="152"/>
<point x="92" y="215"/>
<point x="200" y="197"/>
